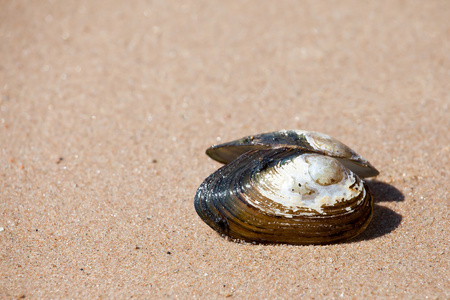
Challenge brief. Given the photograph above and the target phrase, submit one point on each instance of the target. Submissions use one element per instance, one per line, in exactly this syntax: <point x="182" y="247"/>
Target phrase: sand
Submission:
<point x="107" y="107"/>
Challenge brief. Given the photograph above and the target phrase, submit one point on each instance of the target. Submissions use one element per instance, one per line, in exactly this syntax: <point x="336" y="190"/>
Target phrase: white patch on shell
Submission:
<point x="307" y="182"/>
<point x="329" y="145"/>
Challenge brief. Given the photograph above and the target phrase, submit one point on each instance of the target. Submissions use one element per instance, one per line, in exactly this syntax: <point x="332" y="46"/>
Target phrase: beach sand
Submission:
<point x="107" y="107"/>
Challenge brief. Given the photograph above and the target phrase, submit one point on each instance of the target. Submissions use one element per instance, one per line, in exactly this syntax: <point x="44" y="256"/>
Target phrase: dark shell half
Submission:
<point x="304" y="140"/>
<point x="285" y="195"/>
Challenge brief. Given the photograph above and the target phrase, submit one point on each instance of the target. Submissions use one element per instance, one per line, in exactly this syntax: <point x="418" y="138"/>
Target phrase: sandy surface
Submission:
<point x="106" y="109"/>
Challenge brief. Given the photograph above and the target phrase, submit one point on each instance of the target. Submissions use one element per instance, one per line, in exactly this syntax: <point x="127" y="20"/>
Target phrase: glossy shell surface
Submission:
<point x="286" y="190"/>
<point x="310" y="141"/>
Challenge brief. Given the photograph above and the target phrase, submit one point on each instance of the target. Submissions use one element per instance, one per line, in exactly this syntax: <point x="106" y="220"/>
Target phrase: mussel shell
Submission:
<point x="299" y="139"/>
<point x="222" y="201"/>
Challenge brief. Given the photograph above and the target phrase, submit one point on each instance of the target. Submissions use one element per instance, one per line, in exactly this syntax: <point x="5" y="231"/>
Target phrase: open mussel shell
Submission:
<point x="285" y="195"/>
<point x="304" y="140"/>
